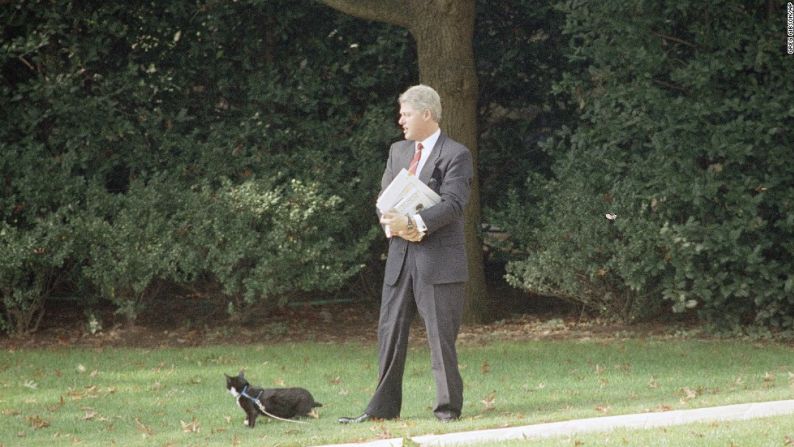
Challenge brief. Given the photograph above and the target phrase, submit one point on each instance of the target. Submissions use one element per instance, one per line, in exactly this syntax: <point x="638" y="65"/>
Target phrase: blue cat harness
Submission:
<point x="252" y="398"/>
<point x="261" y="406"/>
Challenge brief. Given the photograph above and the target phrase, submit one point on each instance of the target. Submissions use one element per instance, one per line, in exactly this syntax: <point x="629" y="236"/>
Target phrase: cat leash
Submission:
<point x="262" y="407"/>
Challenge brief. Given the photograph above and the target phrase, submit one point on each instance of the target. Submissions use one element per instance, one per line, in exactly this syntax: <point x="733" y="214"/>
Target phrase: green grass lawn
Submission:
<point x="775" y="431"/>
<point x="172" y="396"/>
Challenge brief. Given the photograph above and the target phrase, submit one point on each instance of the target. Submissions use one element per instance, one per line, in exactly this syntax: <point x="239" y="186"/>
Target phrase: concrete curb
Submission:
<point x="598" y="424"/>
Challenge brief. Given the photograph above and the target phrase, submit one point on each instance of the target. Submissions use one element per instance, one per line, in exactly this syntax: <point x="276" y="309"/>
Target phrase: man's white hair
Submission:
<point x="422" y="97"/>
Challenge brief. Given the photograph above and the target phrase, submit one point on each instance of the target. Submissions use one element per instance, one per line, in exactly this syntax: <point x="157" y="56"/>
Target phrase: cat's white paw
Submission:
<point x="245" y="422"/>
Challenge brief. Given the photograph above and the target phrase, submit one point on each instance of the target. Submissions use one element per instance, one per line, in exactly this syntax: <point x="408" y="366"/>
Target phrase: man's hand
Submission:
<point x="411" y="235"/>
<point x="397" y="222"/>
<point x="401" y="225"/>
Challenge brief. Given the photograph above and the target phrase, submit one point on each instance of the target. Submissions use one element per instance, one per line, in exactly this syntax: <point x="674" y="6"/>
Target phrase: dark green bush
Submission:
<point x="132" y="244"/>
<point x="684" y="108"/>
<point x="31" y="267"/>
<point x="152" y="142"/>
<point x="262" y="241"/>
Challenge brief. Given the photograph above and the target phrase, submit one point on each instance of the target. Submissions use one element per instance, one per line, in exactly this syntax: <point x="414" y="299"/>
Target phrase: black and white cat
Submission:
<point x="285" y="403"/>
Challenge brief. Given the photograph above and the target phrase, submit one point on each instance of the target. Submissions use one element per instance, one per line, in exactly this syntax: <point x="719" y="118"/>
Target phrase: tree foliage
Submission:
<point x="518" y="46"/>
<point x="240" y="144"/>
<point x="683" y="111"/>
<point x="147" y="142"/>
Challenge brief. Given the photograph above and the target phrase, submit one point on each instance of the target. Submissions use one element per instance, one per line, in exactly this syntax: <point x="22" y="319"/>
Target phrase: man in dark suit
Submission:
<point x="426" y="268"/>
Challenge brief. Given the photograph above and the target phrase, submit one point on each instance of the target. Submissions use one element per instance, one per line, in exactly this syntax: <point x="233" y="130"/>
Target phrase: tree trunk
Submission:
<point x="444" y="31"/>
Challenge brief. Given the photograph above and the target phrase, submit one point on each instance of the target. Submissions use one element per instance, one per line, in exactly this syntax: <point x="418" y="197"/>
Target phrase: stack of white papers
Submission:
<point x="406" y="194"/>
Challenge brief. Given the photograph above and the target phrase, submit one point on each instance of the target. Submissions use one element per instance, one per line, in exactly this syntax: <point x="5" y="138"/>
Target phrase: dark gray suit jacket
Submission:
<point x="441" y="254"/>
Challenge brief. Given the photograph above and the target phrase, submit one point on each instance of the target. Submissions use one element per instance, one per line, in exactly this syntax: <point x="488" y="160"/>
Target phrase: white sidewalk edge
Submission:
<point x="597" y="424"/>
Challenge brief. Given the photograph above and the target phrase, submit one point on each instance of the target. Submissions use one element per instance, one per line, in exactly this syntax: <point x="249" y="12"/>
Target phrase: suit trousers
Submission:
<point x="441" y="308"/>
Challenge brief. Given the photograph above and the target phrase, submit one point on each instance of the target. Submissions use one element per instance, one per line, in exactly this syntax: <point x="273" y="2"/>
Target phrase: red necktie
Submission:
<point x="415" y="160"/>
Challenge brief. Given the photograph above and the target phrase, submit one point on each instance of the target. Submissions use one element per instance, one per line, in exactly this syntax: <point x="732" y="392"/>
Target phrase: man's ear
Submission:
<point x="427" y="115"/>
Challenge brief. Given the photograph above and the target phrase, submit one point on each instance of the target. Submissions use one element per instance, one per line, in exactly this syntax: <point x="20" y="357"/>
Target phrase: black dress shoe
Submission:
<point x="356" y="420"/>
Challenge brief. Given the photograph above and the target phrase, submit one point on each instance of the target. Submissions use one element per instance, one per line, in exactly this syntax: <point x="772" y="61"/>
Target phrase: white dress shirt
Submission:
<point x="427" y="147"/>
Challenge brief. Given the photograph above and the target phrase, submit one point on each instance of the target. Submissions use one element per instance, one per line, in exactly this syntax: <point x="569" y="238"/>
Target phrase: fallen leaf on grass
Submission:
<point x="689" y="394"/>
<point x="90" y="391"/>
<point x="89" y="415"/>
<point x="407" y="424"/>
<point x="381" y="431"/>
<point x="191" y="427"/>
<point x="141" y="427"/>
<point x="56" y="406"/>
<point x="37" y="422"/>
<point x="489" y="400"/>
